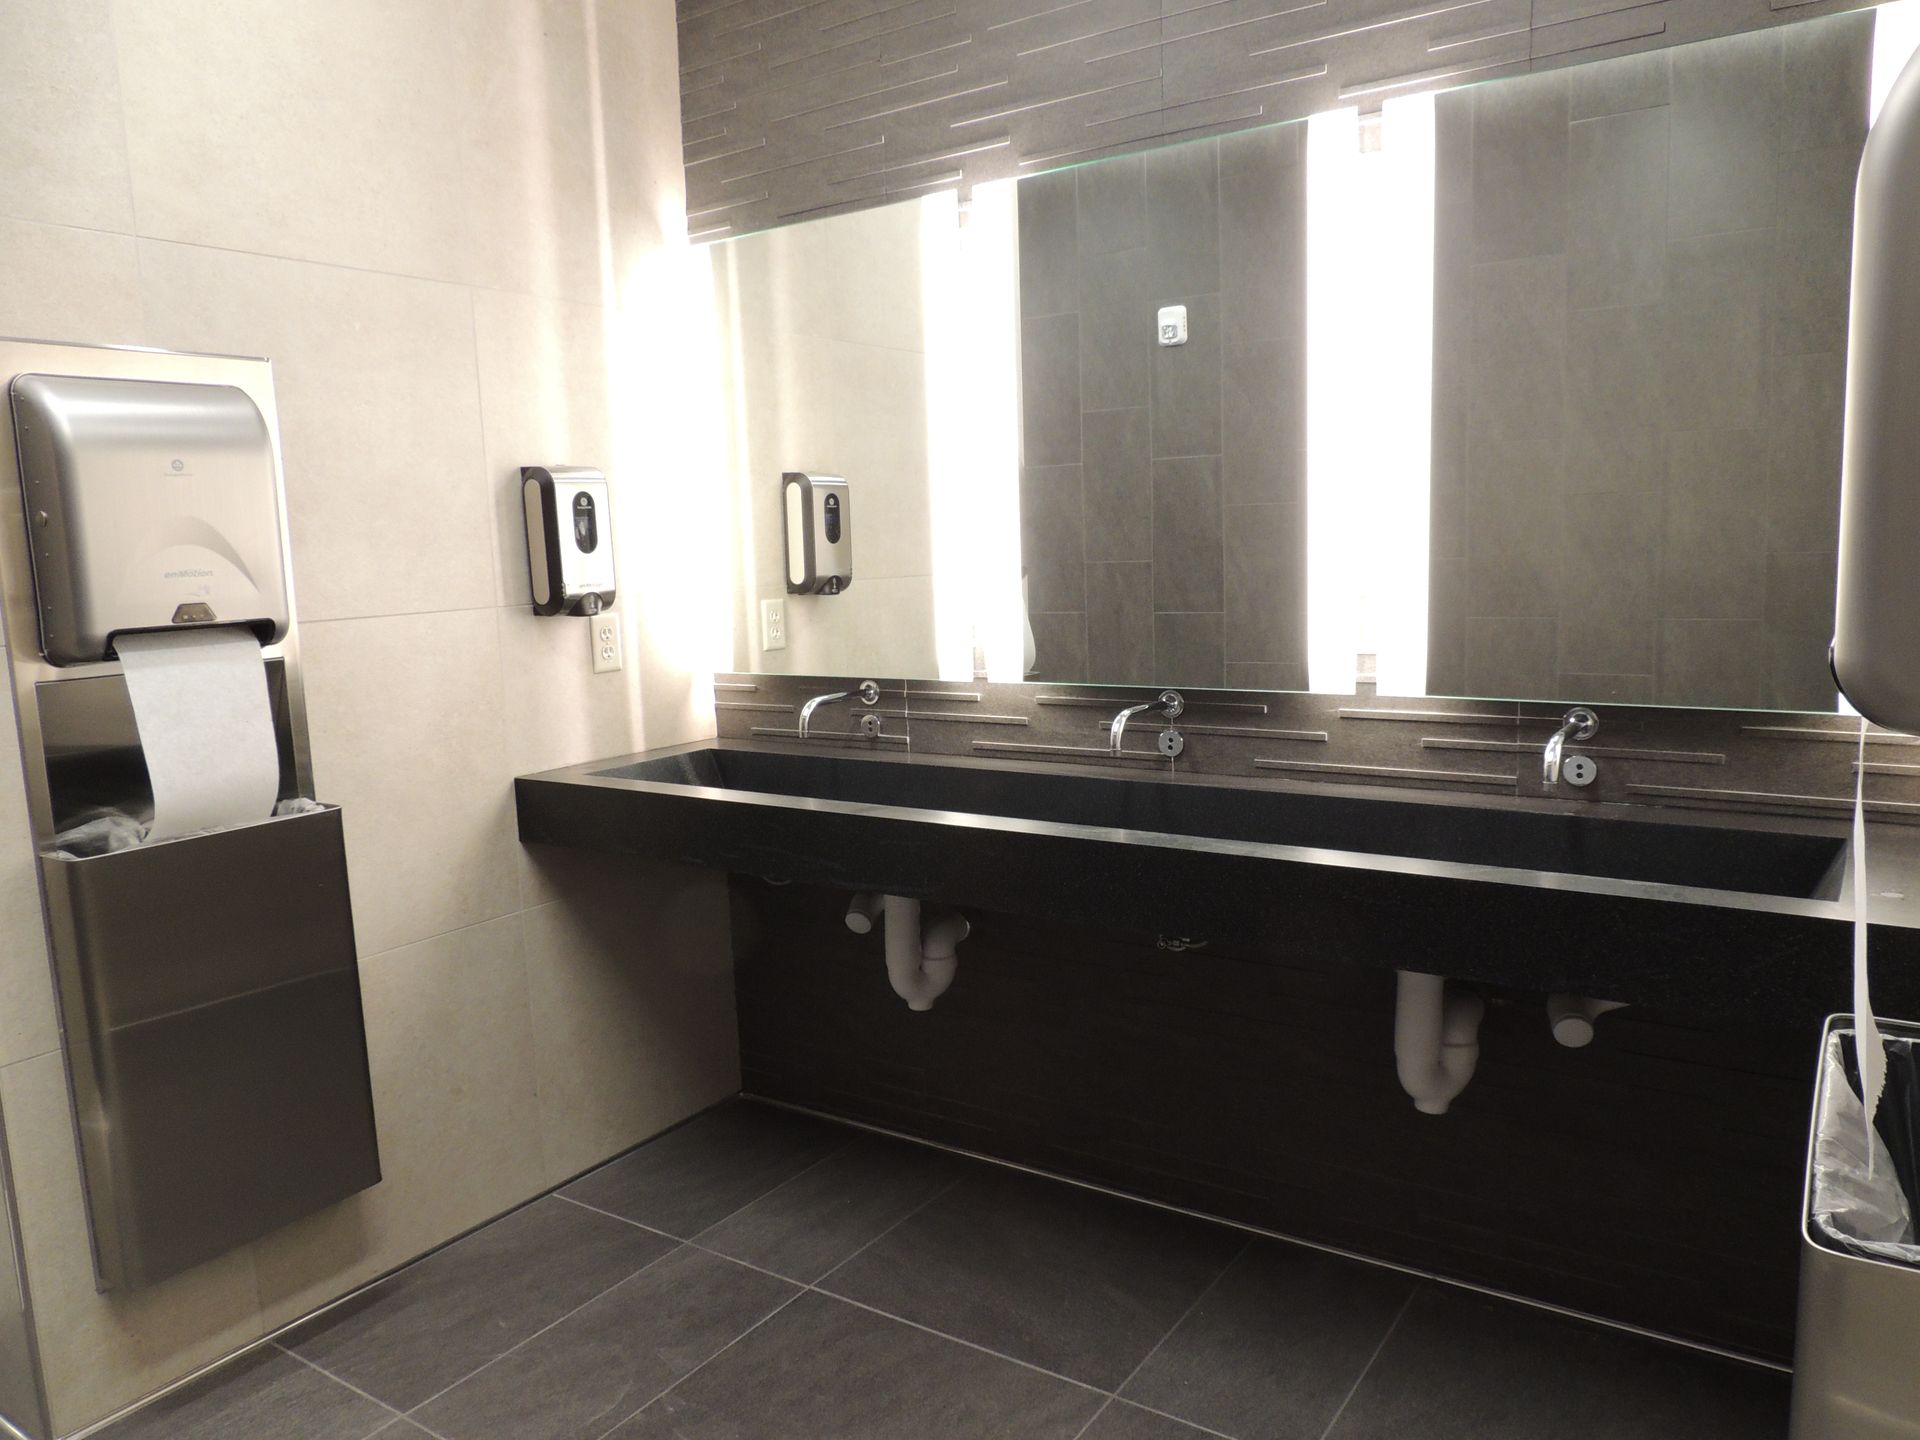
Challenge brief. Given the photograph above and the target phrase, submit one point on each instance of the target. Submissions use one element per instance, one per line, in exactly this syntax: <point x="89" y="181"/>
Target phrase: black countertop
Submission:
<point x="1712" y="951"/>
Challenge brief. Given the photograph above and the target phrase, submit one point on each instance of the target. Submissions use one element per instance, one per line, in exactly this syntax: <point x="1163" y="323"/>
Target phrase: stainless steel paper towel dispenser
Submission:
<point x="150" y="505"/>
<point x="1876" y="646"/>
<point x="208" y="985"/>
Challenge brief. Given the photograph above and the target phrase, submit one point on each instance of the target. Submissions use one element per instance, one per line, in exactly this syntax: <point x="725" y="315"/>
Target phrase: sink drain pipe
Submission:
<point x="921" y="958"/>
<point x="1436" y="1040"/>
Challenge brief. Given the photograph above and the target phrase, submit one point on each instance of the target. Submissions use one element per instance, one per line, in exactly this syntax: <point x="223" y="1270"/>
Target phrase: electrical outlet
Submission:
<point x="604" y="631"/>
<point x="773" y="624"/>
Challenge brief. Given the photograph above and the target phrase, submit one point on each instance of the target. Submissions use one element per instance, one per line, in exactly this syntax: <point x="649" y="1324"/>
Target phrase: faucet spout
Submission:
<point x="1170" y="704"/>
<point x="1579" y="723"/>
<point x="1117" y="731"/>
<point x="867" y="690"/>
<point x="806" y="710"/>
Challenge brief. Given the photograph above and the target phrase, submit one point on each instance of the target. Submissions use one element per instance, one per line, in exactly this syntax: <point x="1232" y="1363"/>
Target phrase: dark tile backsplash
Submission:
<point x="1772" y="762"/>
<point x="1640" y="319"/>
<point x="1162" y="487"/>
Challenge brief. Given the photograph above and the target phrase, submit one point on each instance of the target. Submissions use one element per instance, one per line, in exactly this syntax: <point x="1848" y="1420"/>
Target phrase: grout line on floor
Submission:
<point x="349" y="1385"/>
<point x="959" y="1340"/>
<point x="834" y="1295"/>
<point x="682" y="1379"/>
<point x="1206" y="1290"/>
<point x="807" y="1169"/>
<point x="1701" y="1347"/>
<point x="1093" y="1419"/>
<point x="624" y="1220"/>
<point x="529" y="1339"/>
<point x="1177" y="1419"/>
<point x="1367" y="1369"/>
<point x="939" y="1194"/>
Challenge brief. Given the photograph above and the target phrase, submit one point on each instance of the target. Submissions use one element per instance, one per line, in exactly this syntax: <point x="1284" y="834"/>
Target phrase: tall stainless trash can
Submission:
<point x="1856" y="1366"/>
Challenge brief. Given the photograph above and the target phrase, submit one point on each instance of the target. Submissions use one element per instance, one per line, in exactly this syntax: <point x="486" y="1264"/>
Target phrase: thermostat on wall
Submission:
<point x="1173" y="324"/>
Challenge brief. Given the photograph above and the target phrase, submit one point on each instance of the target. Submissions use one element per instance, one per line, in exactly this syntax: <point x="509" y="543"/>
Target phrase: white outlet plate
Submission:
<point x="603" y="630"/>
<point x="773" y="624"/>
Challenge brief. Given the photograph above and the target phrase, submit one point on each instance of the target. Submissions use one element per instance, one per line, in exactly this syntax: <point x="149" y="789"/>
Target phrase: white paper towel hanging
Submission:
<point x="1867" y="1043"/>
<point x="200" y="700"/>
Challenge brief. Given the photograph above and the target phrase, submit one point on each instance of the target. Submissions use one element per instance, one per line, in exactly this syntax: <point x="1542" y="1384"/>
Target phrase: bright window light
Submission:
<point x="971" y="299"/>
<point x="1369" y="394"/>
<point x="1896" y="35"/>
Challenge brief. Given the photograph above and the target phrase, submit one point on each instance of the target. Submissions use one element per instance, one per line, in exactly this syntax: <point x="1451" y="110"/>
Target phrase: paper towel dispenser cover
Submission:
<point x="150" y="505"/>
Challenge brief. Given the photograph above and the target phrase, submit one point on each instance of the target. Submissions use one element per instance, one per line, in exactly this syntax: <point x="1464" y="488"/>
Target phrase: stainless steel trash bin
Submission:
<point x="1856" y="1362"/>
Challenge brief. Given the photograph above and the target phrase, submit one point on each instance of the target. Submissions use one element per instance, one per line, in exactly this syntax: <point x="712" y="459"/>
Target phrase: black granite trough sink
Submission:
<point x="1473" y="831"/>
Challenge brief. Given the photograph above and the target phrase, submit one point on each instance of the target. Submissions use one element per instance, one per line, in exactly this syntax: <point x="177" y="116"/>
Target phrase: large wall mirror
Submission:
<point x="1530" y="389"/>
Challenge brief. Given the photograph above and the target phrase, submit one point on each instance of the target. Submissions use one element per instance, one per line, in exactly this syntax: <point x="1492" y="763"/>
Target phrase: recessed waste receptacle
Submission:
<point x="1856" y="1371"/>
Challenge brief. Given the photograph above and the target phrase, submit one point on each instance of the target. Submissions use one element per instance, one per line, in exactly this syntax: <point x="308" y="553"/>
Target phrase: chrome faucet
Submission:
<point x="1170" y="704"/>
<point x="1579" y="723"/>
<point x="869" y="693"/>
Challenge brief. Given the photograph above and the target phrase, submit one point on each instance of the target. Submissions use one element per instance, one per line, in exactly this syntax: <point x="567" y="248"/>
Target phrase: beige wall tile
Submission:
<point x="63" y="154"/>
<point x="543" y="368"/>
<point x="450" y="1047"/>
<point x="404" y="716"/>
<point x="632" y="978"/>
<point x="379" y="420"/>
<point x="243" y="136"/>
<point x="323" y="132"/>
<point x="554" y="709"/>
<point x="101" y="1352"/>
<point x="334" y="227"/>
<point x="638" y="51"/>
<point x="539" y="203"/>
<point x="58" y="283"/>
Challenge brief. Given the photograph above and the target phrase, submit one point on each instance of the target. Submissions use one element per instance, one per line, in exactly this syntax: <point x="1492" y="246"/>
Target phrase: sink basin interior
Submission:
<point x="1760" y="861"/>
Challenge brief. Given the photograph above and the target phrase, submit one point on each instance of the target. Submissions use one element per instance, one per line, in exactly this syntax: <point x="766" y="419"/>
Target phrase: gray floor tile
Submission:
<point x="418" y="1331"/>
<point x="824" y="1368"/>
<point x="699" y="1174"/>
<point x="821" y="1216"/>
<point x="609" y="1358"/>
<point x="1273" y="1349"/>
<point x="1068" y="1279"/>
<point x="264" y="1395"/>
<point x="1121" y="1421"/>
<point x="1461" y="1367"/>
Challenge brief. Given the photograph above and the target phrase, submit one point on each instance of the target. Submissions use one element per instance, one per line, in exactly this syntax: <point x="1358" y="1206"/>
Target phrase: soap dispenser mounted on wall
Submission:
<point x="569" y="539"/>
<point x="819" y="511"/>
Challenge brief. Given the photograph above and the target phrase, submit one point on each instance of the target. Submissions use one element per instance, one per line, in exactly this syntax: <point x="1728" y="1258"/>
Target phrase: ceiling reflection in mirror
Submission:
<point x="1530" y="389"/>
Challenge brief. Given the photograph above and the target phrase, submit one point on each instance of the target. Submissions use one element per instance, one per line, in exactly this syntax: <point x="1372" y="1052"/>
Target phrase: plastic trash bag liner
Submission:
<point x="103" y="831"/>
<point x="1855" y="1211"/>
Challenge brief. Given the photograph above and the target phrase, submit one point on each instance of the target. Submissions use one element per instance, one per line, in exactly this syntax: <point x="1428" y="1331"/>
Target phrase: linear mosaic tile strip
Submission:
<point x="1251" y="732"/>
<point x="792" y="110"/>
<point x="1431" y="717"/>
<point x="1115" y="702"/>
<point x="758" y="708"/>
<point x="1067" y="752"/>
<point x="1848" y="736"/>
<point x="1763" y="798"/>
<point x="1389" y="772"/>
<point x="950" y="716"/>
<point x="1601" y="752"/>
<point x="765" y="732"/>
